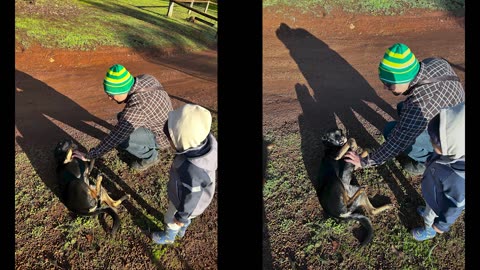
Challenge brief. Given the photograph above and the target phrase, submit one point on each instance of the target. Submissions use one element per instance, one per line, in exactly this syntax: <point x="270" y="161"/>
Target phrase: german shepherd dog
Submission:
<point x="76" y="192"/>
<point x="337" y="196"/>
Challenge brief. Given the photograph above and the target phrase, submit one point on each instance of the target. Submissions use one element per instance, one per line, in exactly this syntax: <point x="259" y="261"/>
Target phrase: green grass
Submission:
<point x="385" y="7"/>
<point x="297" y="222"/>
<point x="87" y="24"/>
<point x="48" y="236"/>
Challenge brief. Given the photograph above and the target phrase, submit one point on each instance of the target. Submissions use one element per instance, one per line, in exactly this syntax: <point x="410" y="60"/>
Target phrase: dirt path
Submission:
<point x="67" y="86"/>
<point x="322" y="71"/>
<point x="336" y="58"/>
<point x="59" y="94"/>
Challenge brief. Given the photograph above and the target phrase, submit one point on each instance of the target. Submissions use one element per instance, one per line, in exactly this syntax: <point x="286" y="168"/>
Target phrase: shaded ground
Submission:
<point x="58" y="95"/>
<point x="320" y="72"/>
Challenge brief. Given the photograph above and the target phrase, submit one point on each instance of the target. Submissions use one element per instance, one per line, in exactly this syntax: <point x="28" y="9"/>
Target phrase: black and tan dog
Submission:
<point x="77" y="193"/>
<point x="338" y="197"/>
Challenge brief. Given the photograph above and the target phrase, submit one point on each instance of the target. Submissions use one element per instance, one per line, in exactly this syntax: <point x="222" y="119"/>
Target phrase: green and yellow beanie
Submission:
<point x="117" y="80"/>
<point x="398" y="65"/>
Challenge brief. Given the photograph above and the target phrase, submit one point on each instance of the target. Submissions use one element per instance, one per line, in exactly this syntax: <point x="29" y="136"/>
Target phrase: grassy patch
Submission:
<point x="297" y="225"/>
<point x="385" y="7"/>
<point x="48" y="236"/>
<point x="87" y="24"/>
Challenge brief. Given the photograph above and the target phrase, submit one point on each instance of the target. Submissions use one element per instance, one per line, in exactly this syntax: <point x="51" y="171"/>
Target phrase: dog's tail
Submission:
<point x="110" y="212"/>
<point x="367" y="224"/>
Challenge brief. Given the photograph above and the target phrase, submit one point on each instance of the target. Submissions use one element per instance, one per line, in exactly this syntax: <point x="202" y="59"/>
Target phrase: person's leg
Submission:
<point x="141" y="144"/>
<point x="167" y="236"/>
<point x="427" y="231"/>
<point x="428" y="216"/>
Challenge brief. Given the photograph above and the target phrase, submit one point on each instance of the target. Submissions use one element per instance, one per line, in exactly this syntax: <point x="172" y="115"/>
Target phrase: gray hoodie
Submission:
<point x="452" y="131"/>
<point x="192" y="179"/>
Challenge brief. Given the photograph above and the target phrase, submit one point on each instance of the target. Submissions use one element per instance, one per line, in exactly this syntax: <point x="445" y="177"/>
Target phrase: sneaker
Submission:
<point x="423" y="233"/>
<point x="164" y="237"/>
<point x="142" y="164"/>
<point x="421" y="211"/>
<point x="182" y="230"/>
<point x="413" y="167"/>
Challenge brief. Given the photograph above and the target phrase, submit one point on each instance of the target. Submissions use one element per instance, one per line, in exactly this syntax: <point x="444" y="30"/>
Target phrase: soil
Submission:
<point x="59" y="94"/>
<point x="321" y="71"/>
<point x="323" y="67"/>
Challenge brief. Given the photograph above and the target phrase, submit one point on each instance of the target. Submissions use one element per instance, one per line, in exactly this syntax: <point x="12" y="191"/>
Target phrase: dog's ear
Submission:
<point x="68" y="158"/>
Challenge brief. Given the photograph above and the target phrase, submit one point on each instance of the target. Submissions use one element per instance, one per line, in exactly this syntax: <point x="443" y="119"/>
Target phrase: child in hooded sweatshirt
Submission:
<point x="191" y="186"/>
<point x="443" y="183"/>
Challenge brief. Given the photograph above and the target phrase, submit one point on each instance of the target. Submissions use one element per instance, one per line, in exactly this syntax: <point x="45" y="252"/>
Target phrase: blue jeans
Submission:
<point x="142" y="144"/>
<point x="429" y="216"/>
<point x="421" y="149"/>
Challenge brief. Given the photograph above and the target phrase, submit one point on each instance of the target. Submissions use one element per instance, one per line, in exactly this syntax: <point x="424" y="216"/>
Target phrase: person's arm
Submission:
<point x="127" y="123"/>
<point x="194" y="180"/>
<point x="411" y="124"/>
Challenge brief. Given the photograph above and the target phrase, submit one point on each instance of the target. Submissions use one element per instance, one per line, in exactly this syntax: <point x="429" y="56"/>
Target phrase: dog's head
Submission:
<point x="334" y="138"/>
<point x="63" y="151"/>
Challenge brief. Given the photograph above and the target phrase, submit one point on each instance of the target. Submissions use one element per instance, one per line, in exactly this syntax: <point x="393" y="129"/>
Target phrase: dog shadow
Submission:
<point x="336" y="94"/>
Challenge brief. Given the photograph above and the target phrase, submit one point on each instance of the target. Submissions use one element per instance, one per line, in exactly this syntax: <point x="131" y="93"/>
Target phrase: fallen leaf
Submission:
<point x="334" y="245"/>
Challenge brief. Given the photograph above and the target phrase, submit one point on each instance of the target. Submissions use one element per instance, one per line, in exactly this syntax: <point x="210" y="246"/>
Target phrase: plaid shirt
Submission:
<point x="144" y="108"/>
<point x="421" y="105"/>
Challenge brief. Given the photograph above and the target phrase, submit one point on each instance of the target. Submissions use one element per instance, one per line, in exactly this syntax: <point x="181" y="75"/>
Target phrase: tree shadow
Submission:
<point x="167" y="28"/>
<point x="36" y="103"/>
<point x="340" y="93"/>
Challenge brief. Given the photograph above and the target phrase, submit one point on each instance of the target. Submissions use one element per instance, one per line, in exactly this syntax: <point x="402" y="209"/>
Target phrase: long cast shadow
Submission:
<point x="35" y="103"/>
<point x="339" y="91"/>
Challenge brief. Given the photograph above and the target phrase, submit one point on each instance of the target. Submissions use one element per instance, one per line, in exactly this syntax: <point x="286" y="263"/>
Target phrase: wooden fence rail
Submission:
<point x="190" y="8"/>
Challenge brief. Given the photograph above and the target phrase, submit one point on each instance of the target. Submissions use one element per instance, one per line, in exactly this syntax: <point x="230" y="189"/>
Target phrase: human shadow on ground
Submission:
<point x="35" y="103"/>
<point x="36" y="106"/>
<point x="339" y="91"/>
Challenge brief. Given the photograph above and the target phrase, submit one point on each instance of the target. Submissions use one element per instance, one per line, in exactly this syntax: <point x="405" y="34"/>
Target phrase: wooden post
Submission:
<point x="191" y="5"/>
<point x="206" y="7"/>
<point x="170" y="9"/>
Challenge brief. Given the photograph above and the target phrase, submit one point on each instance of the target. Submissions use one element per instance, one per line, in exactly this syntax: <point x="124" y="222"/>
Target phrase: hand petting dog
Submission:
<point x="80" y="155"/>
<point x="353" y="158"/>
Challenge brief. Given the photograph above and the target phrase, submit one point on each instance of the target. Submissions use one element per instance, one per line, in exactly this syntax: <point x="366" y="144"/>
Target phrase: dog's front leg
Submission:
<point x="351" y="144"/>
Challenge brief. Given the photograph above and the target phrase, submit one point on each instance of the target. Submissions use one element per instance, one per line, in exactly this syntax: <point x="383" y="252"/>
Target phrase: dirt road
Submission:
<point x="59" y="94"/>
<point x="320" y="72"/>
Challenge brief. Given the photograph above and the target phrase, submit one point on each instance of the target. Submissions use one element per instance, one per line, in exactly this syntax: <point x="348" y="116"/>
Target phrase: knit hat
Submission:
<point x="117" y="80"/>
<point x="189" y="126"/>
<point x="398" y="65"/>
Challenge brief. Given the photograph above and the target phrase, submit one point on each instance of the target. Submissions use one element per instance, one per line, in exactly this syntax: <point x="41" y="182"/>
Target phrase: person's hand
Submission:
<point x="80" y="155"/>
<point x="178" y="222"/>
<point x="354" y="158"/>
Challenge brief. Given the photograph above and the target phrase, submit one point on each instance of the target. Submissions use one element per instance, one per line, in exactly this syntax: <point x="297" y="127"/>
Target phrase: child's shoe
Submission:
<point x="423" y="233"/>
<point x="164" y="237"/>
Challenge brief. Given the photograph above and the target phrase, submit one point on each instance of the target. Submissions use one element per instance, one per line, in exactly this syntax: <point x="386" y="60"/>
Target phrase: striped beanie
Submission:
<point x="117" y="80"/>
<point x="398" y="65"/>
